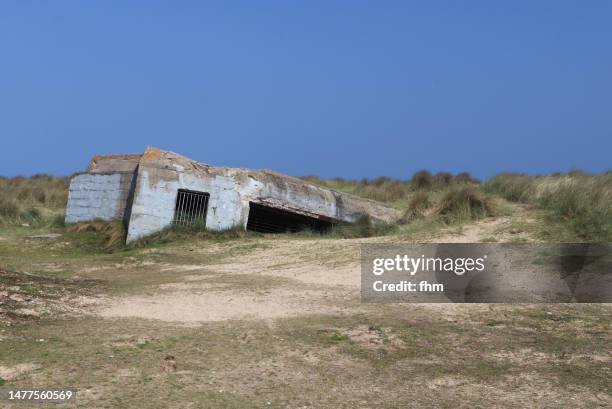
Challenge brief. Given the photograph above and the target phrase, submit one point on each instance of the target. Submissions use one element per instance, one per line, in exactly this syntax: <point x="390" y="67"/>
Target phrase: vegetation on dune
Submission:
<point x="582" y="201"/>
<point x="175" y="233"/>
<point x="38" y="199"/>
<point x="382" y="189"/>
<point x="578" y="203"/>
<point x="465" y="203"/>
<point x="385" y="189"/>
<point x="109" y="235"/>
<point x="362" y="227"/>
<point x="417" y="205"/>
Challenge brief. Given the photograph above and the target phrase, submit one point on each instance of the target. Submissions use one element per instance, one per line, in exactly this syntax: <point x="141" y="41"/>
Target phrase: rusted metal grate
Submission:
<point x="191" y="207"/>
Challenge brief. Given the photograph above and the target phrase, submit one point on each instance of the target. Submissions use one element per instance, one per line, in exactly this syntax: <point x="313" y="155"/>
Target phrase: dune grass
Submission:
<point x="33" y="200"/>
<point x="578" y="202"/>
<point x="583" y="202"/>
<point x="463" y="204"/>
<point x="417" y="205"/>
<point x="389" y="190"/>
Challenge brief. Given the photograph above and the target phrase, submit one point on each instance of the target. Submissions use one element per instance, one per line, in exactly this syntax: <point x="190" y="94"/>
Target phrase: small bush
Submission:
<point x="442" y="179"/>
<point x="58" y="221"/>
<point x="464" y="177"/>
<point x="421" y="180"/>
<point x="31" y="215"/>
<point x="417" y="205"/>
<point x="464" y="203"/>
<point x="512" y="187"/>
<point x="9" y="210"/>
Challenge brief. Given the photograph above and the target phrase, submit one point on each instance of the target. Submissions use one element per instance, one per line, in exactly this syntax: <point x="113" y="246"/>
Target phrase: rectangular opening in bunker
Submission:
<point x="268" y="219"/>
<point x="191" y="207"/>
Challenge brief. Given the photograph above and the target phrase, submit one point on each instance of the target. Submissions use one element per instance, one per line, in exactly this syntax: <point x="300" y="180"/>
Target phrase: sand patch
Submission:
<point x="218" y="306"/>
<point x="10" y="373"/>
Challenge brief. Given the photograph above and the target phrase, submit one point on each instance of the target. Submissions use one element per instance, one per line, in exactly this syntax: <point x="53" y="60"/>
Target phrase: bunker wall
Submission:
<point x="98" y="196"/>
<point x="155" y="200"/>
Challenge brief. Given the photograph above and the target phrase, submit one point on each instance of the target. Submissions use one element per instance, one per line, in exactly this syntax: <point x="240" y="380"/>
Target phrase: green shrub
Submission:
<point x="512" y="187"/>
<point x="442" y="179"/>
<point x="464" y="177"/>
<point x="421" y="180"/>
<point x="464" y="203"/>
<point x="9" y="209"/>
<point x="418" y="203"/>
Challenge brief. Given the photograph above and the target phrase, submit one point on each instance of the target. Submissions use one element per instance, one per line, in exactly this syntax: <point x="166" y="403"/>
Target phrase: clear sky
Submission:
<point x="352" y="89"/>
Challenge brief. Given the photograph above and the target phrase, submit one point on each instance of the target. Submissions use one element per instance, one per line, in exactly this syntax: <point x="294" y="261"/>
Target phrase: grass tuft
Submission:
<point x="464" y="203"/>
<point x="418" y="203"/>
<point x="421" y="180"/>
<point x="32" y="200"/>
<point x="197" y="232"/>
<point x="110" y="234"/>
<point x="582" y="202"/>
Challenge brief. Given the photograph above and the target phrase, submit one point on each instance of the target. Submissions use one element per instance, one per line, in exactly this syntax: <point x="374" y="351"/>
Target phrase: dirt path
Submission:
<point x="289" y="277"/>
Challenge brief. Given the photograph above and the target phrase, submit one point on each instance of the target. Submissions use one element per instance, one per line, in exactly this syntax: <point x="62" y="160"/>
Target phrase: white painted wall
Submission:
<point x="95" y="196"/>
<point x="155" y="199"/>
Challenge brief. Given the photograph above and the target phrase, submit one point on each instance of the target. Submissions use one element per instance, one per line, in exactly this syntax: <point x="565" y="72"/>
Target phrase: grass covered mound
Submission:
<point x="417" y="205"/>
<point x="582" y="201"/>
<point x="464" y="203"/>
<point x="576" y="204"/>
<point x="40" y="198"/>
<point x="387" y="190"/>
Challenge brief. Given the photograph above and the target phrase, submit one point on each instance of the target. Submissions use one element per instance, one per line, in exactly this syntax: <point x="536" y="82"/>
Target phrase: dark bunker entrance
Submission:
<point x="267" y="219"/>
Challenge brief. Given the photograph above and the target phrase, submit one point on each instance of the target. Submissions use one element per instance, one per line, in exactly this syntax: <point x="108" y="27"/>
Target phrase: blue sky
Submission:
<point x="352" y="89"/>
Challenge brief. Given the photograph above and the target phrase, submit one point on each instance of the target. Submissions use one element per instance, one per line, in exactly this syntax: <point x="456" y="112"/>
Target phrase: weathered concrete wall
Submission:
<point x="98" y="196"/>
<point x="161" y="174"/>
<point x="294" y="194"/>
<point x="113" y="163"/>
<point x="143" y="190"/>
<point x="155" y="199"/>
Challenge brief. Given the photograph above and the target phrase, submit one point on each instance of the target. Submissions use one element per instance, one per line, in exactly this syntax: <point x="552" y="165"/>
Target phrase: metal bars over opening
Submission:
<point x="190" y="208"/>
<point x="266" y="219"/>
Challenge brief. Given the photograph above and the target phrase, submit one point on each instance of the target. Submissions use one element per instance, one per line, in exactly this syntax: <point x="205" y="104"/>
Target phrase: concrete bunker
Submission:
<point x="267" y="219"/>
<point x="158" y="188"/>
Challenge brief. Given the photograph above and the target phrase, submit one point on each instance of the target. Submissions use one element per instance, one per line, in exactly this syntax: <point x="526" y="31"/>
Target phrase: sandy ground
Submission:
<point x="278" y="322"/>
<point x="310" y="277"/>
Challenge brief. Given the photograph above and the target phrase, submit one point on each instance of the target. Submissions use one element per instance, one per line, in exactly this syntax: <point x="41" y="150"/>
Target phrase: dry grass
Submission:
<point x="465" y="203"/>
<point x="179" y="233"/>
<point x="387" y="190"/>
<point x="40" y="198"/>
<point x="582" y="201"/>
<point x="577" y="202"/>
<point x="110" y="234"/>
<point x="417" y="205"/>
